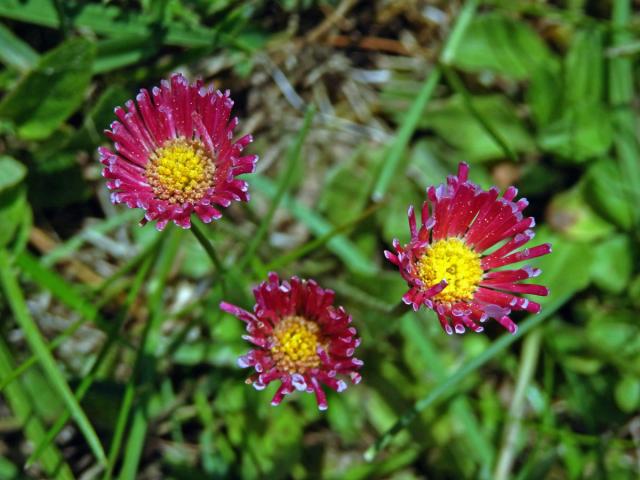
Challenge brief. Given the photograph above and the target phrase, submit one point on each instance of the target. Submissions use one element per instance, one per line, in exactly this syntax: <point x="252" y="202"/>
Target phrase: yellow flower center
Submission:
<point x="454" y="262"/>
<point x="180" y="171"/>
<point x="295" y="343"/>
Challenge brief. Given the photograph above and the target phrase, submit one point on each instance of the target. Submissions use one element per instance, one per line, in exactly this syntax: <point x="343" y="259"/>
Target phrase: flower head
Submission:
<point x="301" y="339"/>
<point x="450" y="263"/>
<point x="175" y="155"/>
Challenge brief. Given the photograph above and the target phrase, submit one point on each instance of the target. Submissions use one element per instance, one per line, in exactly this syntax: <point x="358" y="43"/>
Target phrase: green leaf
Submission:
<point x="502" y="45"/>
<point x="51" y="92"/>
<point x="584" y="131"/>
<point x="627" y="394"/>
<point x="15" y="52"/>
<point x="454" y="123"/>
<point x="12" y="173"/>
<point x="634" y="291"/>
<point x="621" y="95"/>
<point x="37" y="343"/>
<point x="57" y="181"/>
<point x="612" y="264"/>
<point x="13" y="199"/>
<point x="584" y="68"/>
<point x="614" y="335"/>
<point x="98" y="118"/>
<point x="111" y="21"/>
<point x="393" y="215"/>
<point x="444" y="388"/>
<point x="566" y="270"/>
<point x="543" y="95"/>
<point x="123" y="51"/>
<point x="20" y="403"/>
<point x="606" y="191"/>
<point x="570" y="214"/>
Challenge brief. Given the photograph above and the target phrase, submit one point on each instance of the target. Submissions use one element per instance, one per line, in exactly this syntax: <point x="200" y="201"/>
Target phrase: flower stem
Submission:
<point x="196" y="228"/>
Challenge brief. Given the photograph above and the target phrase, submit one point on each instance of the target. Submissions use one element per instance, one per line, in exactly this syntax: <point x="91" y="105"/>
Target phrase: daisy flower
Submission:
<point x="174" y="154"/>
<point x="300" y="339"/>
<point x="453" y="262"/>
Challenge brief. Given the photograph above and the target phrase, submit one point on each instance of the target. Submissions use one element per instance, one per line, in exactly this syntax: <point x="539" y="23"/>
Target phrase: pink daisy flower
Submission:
<point x="301" y="339"/>
<point x="451" y="263"/>
<point x="175" y="155"/>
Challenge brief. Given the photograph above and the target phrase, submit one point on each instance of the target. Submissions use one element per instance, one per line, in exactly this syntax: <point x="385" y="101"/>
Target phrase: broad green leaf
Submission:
<point x="51" y="92"/>
<point x="634" y="291"/>
<point x="543" y="95"/>
<point x="15" y="52"/>
<point x="614" y="335"/>
<point x="565" y="270"/>
<point x="612" y="263"/>
<point x="584" y="131"/>
<point x="393" y="216"/>
<point x="57" y="181"/>
<point x="8" y="469"/>
<point x="627" y="394"/>
<point x="606" y="191"/>
<point x="584" y="68"/>
<point x="13" y="198"/>
<point x="501" y="44"/>
<point x="570" y="214"/>
<point x="12" y="173"/>
<point x="456" y="126"/>
<point x="119" y="52"/>
<point x="98" y="118"/>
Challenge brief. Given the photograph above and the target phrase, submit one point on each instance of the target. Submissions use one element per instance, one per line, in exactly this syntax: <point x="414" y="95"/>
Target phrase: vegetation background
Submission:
<point x="115" y="360"/>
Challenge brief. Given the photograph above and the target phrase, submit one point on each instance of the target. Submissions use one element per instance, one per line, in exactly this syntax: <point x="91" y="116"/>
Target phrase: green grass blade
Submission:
<point x="144" y="370"/>
<point x="309" y="247"/>
<point x="121" y="425"/>
<point x="393" y="156"/>
<point x="445" y="388"/>
<point x="49" y="280"/>
<point x="38" y="345"/>
<point x="66" y="292"/>
<point x="68" y="248"/>
<point x="88" y="380"/>
<point x="31" y="361"/>
<point x="18" y="400"/>
<point x="458" y="86"/>
<point x="58" y="286"/>
<point x="15" y="52"/>
<point x="340" y="245"/>
<point x="284" y="182"/>
<point x="479" y="446"/>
